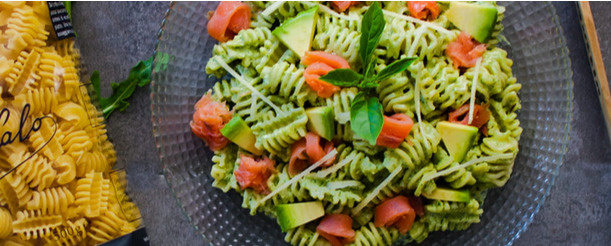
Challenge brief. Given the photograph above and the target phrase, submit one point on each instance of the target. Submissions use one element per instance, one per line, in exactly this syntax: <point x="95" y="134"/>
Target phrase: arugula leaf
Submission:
<point x="343" y="77"/>
<point x="394" y="68"/>
<point x="372" y="27"/>
<point x="366" y="117"/>
<point x="139" y="76"/>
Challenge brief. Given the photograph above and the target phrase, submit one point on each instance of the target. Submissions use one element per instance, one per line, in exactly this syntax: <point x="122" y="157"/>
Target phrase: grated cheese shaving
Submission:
<point x="272" y="8"/>
<point x="478" y="66"/>
<point x="323" y="8"/>
<point x="343" y="184"/>
<point x="328" y="156"/>
<point x="417" y="21"/>
<point x="419" y="114"/>
<point x="253" y="104"/>
<point x="336" y="167"/>
<point x="246" y="84"/>
<point x="356" y="210"/>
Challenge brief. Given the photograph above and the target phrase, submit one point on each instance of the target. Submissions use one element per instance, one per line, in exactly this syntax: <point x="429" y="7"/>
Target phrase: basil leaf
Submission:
<point x="394" y="68"/>
<point x="366" y="117"/>
<point x="372" y="27"/>
<point x="368" y="83"/>
<point x="342" y="77"/>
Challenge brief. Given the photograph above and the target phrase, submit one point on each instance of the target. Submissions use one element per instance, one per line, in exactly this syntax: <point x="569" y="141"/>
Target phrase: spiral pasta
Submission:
<point x="252" y="48"/>
<point x="92" y="193"/>
<point x="338" y="36"/>
<point x="423" y="145"/>
<point x="23" y="69"/>
<point x="34" y="224"/>
<point x="74" y="141"/>
<point x="294" y="193"/>
<point x="396" y="95"/>
<point x="37" y="171"/>
<point x="66" y="169"/>
<point x="44" y="140"/>
<point x="302" y="236"/>
<point x="224" y="165"/>
<point x="372" y="235"/>
<point x="443" y="215"/>
<point x="286" y="80"/>
<point x="275" y="133"/>
<point x="51" y="201"/>
<point x="106" y="226"/>
<point x="321" y="189"/>
<point x="411" y="39"/>
<point x="358" y="165"/>
<point x="340" y="102"/>
<point x="42" y="101"/>
<point x="94" y="161"/>
<point x="6" y="223"/>
<point x="75" y="231"/>
<point x="15" y="192"/>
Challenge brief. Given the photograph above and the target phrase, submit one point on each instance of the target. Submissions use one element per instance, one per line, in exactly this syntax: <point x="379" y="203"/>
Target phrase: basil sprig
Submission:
<point x="366" y="111"/>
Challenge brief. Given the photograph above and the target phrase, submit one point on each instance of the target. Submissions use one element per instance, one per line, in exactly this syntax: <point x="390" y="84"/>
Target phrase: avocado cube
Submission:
<point x="457" y="138"/>
<point x="296" y="33"/>
<point x="238" y="132"/>
<point x="321" y="121"/>
<point x="296" y="214"/>
<point x="444" y="194"/>
<point x="477" y="20"/>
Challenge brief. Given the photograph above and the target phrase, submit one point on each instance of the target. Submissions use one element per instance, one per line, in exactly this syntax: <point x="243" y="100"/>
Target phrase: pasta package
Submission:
<point x="59" y="183"/>
<point x="360" y="123"/>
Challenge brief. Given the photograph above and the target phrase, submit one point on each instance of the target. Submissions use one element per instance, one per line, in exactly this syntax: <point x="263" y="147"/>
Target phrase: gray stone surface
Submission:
<point x="113" y="36"/>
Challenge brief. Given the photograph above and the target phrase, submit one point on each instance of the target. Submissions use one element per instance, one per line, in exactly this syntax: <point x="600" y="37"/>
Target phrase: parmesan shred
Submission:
<point x="469" y="163"/>
<point x="418" y="114"/>
<point x="336" y="167"/>
<point x="417" y="21"/>
<point x="327" y="157"/>
<point x="329" y="11"/>
<point x="253" y="105"/>
<point x="272" y="8"/>
<point x="343" y="184"/>
<point x="242" y="81"/>
<point x="356" y="210"/>
<point x="478" y="67"/>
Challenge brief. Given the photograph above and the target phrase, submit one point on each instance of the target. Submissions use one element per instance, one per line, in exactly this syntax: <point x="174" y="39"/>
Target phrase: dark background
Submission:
<point x="114" y="36"/>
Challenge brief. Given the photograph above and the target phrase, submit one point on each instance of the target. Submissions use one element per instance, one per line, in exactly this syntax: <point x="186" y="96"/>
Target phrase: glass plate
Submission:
<point x="541" y="64"/>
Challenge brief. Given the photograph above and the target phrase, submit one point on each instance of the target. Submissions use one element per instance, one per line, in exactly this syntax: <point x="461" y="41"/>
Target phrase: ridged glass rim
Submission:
<point x="568" y="75"/>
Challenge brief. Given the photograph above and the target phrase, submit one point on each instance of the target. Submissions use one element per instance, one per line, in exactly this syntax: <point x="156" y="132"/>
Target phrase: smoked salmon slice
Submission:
<point x="337" y="229"/>
<point x="254" y="173"/>
<point x="481" y="115"/>
<point x="394" y="130"/>
<point x="395" y="212"/>
<point x="307" y="151"/>
<point x="209" y="118"/>
<point x="320" y="63"/>
<point x="423" y="10"/>
<point x="229" y="19"/>
<point x="465" y="51"/>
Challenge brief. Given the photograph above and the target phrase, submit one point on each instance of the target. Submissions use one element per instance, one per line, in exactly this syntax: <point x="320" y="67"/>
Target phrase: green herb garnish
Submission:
<point x="366" y="111"/>
<point x="139" y="76"/>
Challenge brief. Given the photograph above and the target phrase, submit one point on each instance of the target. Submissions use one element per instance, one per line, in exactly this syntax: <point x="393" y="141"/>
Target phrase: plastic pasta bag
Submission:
<point x="59" y="183"/>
